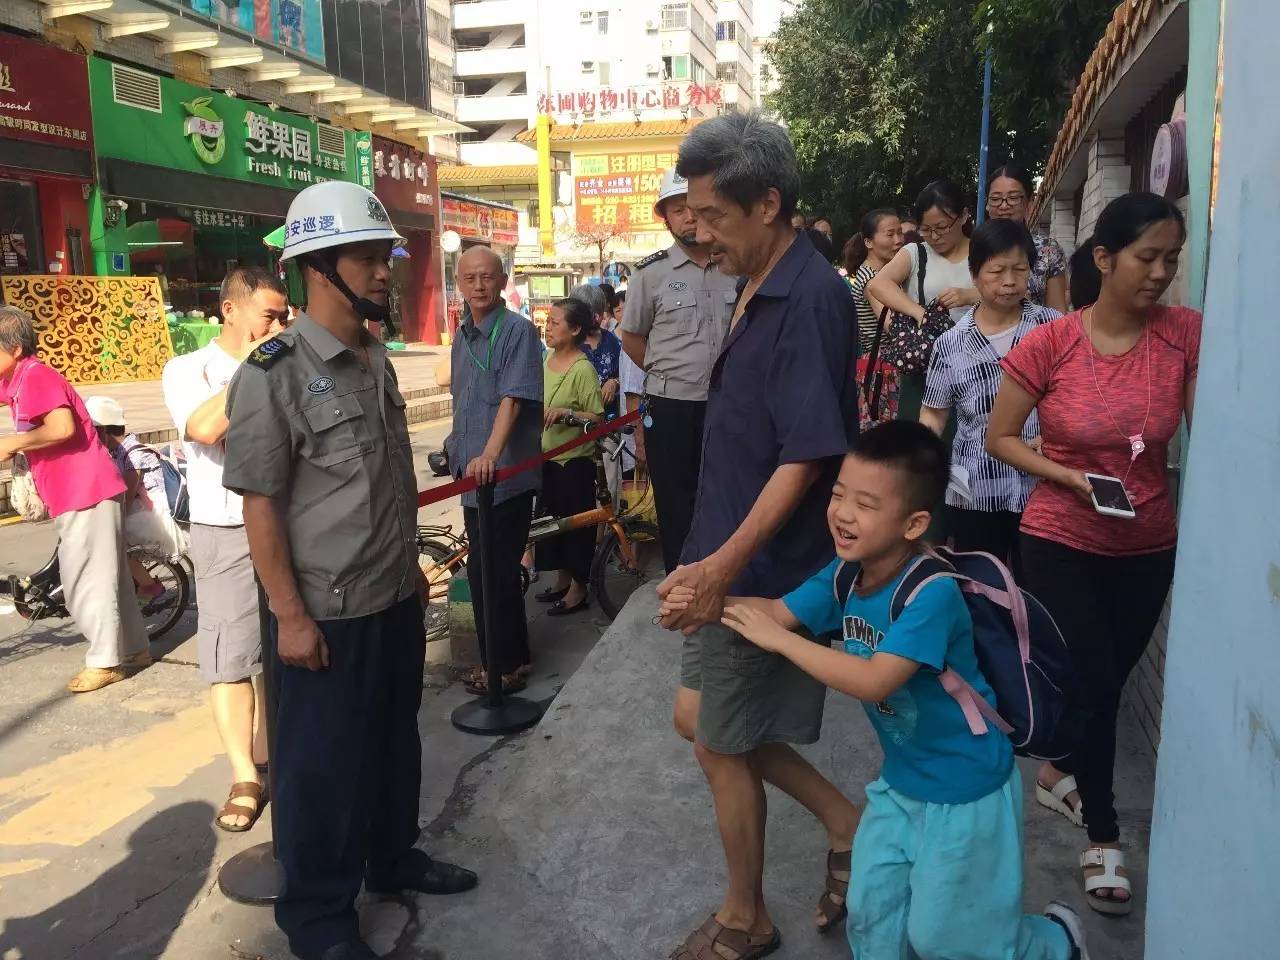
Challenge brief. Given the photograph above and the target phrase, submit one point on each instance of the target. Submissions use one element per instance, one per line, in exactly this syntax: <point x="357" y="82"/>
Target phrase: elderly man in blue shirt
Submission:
<point x="496" y="366"/>
<point x="780" y="416"/>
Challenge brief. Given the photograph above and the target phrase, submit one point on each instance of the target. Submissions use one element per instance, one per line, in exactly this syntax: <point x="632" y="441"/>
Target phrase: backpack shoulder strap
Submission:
<point x="846" y="576"/>
<point x="926" y="567"/>
<point x="922" y="259"/>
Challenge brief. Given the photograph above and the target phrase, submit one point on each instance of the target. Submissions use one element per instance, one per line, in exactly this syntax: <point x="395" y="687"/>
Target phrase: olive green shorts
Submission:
<point x="749" y="696"/>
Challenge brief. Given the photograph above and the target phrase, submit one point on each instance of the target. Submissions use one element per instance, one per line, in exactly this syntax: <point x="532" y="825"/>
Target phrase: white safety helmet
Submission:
<point x="333" y="214"/>
<point x="673" y="185"/>
<point x="105" y="412"/>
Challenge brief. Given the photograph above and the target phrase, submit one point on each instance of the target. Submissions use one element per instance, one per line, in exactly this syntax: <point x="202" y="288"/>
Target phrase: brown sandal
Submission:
<point x="833" y="904"/>
<point x="478" y="683"/>
<point x="714" y="941"/>
<point x="247" y="790"/>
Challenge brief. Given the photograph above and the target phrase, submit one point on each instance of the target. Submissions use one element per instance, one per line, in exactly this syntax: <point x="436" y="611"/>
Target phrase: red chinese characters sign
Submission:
<point x="404" y="178"/>
<point x="620" y="189"/>
<point x="660" y="96"/>
<point x="481" y="222"/>
<point x="44" y="94"/>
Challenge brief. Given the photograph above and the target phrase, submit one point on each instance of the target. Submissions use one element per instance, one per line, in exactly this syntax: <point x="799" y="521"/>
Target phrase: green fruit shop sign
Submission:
<point x="200" y="131"/>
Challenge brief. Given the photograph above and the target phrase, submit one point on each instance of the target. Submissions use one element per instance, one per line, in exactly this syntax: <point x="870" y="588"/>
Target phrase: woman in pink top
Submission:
<point x="1111" y="384"/>
<point x="82" y="488"/>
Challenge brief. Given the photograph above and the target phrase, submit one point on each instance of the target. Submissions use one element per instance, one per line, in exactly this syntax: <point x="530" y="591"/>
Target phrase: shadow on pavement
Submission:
<point x="132" y="908"/>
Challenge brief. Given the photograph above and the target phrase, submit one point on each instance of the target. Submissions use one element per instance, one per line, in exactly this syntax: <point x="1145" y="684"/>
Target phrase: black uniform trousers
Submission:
<point x="346" y="770"/>
<point x="509" y="537"/>
<point x="673" y="446"/>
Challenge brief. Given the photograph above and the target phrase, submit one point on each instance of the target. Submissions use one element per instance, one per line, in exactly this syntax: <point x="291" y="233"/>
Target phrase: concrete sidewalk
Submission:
<point x="593" y="833"/>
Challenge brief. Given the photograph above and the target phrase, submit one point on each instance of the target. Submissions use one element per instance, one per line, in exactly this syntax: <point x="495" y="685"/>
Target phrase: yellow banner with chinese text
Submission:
<point x="620" y="189"/>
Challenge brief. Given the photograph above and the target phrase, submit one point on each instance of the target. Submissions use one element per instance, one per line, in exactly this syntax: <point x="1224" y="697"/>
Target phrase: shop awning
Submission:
<point x="140" y="181"/>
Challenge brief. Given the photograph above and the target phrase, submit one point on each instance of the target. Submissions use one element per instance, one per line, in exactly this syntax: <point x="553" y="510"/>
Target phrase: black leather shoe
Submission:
<point x="417" y="871"/>
<point x="349" y="950"/>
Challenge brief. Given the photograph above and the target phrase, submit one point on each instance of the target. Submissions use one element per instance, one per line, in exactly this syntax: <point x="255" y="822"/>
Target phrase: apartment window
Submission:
<point x="727" y="72"/>
<point x="727" y="30"/>
<point x="439" y="27"/>
<point x="602" y="22"/>
<point x="675" y="68"/>
<point x="675" y="16"/>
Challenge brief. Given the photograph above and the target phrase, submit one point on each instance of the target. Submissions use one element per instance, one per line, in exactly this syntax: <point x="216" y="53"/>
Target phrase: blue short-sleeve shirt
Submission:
<point x="782" y="391"/>
<point x="930" y="754"/>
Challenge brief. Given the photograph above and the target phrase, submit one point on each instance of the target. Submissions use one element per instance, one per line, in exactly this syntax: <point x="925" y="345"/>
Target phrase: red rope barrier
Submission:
<point x="467" y="484"/>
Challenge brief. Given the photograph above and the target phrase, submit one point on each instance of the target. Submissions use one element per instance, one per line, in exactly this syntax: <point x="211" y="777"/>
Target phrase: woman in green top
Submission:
<point x="569" y="386"/>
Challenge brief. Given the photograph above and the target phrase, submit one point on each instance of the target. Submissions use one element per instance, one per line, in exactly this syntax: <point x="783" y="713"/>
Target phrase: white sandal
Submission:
<point x="1111" y="861"/>
<point x="1056" y="799"/>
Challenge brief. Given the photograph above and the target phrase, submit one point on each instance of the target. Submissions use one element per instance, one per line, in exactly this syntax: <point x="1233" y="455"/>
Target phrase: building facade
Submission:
<point x="585" y="62"/>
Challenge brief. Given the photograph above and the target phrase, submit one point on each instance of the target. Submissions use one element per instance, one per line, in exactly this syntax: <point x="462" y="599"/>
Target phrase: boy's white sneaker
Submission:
<point x="1065" y="917"/>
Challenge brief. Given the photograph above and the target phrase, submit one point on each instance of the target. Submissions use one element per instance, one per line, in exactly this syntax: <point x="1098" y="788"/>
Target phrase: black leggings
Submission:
<point x="568" y="488"/>
<point x="1107" y="609"/>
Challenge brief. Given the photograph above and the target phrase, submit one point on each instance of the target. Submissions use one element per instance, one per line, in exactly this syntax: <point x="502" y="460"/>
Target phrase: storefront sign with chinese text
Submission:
<point x="200" y="131"/>
<point x="479" y="221"/>
<point x="619" y="189"/>
<point x="658" y="96"/>
<point x="404" y="178"/>
<point x="44" y="94"/>
<point x="219" y="218"/>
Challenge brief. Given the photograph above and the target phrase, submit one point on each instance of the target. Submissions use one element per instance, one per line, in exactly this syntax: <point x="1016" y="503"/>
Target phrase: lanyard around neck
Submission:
<point x="493" y="338"/>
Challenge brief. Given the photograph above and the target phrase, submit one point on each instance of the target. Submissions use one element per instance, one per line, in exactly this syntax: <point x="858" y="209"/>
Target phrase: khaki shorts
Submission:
<point x="227" y="634"/>
<point x="749" y="696"/>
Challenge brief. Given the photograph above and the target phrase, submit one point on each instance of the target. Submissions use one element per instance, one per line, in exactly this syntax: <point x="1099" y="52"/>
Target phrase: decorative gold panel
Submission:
<point x="96" y="329"/>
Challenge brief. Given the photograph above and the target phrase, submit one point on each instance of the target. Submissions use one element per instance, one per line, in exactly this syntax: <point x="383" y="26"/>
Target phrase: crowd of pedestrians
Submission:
<point x="810" y="433"/>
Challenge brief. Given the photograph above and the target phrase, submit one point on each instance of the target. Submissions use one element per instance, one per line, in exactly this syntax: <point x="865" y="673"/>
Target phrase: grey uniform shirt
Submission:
<point x="311" y="428"/>
<point x="683" y="310"/>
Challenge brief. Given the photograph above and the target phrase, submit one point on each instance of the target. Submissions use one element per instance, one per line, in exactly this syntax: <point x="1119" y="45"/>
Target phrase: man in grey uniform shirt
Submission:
<point x="318" y="446"/>
<point x="677" y="314"/>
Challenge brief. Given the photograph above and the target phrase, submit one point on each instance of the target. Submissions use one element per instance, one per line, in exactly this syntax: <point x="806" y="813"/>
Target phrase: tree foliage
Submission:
<point x="882" y="96"/>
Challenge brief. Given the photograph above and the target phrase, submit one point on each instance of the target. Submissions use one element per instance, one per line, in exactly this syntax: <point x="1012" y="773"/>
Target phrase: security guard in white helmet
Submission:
<point x="677" y="315"/>
<point x="318" y="446"/>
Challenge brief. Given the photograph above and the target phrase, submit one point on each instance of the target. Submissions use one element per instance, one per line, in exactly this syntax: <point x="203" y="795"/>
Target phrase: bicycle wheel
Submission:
<point x="161" y="612"/>
<point x="439" y="562"/>
<point x="613" y="579"/>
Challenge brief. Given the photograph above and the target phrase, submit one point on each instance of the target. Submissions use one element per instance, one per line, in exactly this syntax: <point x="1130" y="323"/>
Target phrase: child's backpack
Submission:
<point x="175" y="485"/>
<point x="1020" y="651"/>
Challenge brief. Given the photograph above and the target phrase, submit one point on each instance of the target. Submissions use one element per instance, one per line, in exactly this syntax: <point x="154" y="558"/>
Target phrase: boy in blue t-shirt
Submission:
<point x="937" y="858"/>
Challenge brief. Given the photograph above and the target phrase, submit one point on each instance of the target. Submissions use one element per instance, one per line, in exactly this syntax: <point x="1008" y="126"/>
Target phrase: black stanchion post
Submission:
<point x="253" y="875"/>
<point x="495" y="714"/>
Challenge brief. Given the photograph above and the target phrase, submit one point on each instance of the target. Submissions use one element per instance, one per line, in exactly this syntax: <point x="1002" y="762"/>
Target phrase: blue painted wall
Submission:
<point x="1215" y="846"/>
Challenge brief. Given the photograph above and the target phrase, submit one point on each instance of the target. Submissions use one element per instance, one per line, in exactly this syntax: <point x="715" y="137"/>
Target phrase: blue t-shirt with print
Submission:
<point x="930" y="754"/>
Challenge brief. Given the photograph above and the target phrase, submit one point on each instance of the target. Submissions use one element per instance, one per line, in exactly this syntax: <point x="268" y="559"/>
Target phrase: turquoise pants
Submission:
<point x="939" y="881"/>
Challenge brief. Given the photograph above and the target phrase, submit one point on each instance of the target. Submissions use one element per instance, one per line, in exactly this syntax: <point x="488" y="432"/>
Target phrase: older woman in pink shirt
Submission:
<point x="82" y="488"/>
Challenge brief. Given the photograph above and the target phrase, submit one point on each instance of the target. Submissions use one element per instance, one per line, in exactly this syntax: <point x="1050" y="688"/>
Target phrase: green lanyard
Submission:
<point x="493" y="338"/>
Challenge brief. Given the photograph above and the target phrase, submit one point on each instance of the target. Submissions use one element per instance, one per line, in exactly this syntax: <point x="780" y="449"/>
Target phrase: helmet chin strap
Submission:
<point x="366" y="309"/>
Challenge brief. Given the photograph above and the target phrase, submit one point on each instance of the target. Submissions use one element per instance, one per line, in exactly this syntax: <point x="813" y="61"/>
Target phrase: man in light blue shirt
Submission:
<point x="497" y="422"/>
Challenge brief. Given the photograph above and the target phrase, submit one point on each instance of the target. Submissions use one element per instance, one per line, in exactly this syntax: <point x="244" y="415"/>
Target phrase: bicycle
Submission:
<point x="40" y="596"/>
<point x="618" y="567"/>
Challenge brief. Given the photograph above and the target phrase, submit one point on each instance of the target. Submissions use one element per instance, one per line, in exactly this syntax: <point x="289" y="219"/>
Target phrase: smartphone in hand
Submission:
<point x="1110" y="497"/>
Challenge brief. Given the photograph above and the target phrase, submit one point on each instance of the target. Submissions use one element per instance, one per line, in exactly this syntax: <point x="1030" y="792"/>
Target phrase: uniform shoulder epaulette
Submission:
<point x="651" y="258"/>
<point x="265" y="356"/>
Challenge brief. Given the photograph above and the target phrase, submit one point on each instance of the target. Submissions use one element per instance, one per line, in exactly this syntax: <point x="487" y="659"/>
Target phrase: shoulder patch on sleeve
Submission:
<point x="265" y="356"/>
<point x="651" y="258"/>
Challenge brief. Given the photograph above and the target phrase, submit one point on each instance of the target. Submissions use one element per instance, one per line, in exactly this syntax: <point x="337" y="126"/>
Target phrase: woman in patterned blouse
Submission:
<point x="986" y="497"/>
<point x="1009" y="198"/>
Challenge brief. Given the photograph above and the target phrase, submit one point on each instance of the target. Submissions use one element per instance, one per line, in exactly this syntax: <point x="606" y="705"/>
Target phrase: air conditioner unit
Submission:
<point x="588" y="66"/>
<point x="654" y="69"/>
<point x="587" y="16"/>
<point x="651" y="26"/>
